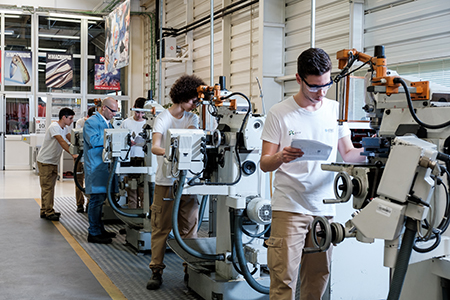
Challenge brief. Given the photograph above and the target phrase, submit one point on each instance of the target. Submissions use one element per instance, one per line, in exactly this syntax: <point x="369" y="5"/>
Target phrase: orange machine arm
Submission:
<point x="215" y="99"/>
<point x="381" y="78"/>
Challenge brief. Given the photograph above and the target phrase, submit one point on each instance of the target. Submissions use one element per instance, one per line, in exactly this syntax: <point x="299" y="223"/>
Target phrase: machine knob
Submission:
<point x="259" y="210"/>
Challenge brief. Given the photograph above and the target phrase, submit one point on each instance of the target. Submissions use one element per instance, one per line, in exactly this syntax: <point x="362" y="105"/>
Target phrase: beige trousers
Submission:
<point x="80" y="177"/>
<point x="290" y="233"/>
<point x="48" y="174"/>
<point x="161" y="220"/>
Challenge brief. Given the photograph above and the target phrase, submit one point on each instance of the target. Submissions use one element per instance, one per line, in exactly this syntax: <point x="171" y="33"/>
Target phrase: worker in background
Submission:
<point x="96" y="171"/>
<point x="184" y="98"/>
<point x="98" y="104"/>
<point x="301" y="186"/>
<point x="80" y="173"/>
<point x="135" y="124"/>
<point x="56" y="139"/>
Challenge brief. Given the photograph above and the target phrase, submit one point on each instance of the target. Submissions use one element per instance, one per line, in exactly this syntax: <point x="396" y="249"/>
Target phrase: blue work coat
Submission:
<point x="96" y="172"/>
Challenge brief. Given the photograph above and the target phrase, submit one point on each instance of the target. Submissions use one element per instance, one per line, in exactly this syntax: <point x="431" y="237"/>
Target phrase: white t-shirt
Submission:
<point x="301" y="186"/>
<point x="136" y="127"/>
<point x="165" y="121"/>
<point x="50" y="152"/>
<point x="80" y="123"/>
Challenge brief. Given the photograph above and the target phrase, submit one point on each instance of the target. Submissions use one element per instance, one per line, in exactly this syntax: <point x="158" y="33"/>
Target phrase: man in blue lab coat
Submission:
<point x="96" y="171"/>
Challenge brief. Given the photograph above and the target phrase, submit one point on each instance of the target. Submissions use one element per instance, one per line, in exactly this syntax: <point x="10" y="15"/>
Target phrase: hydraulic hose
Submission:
<point x="75" y="168"/>
<point x="401" y="265"/>
<point x="239" y="247"/>
<point x="176" y="233"/>
<point x="202" y="211"/>
<point x="110" y="200"/>
<point x="411" y="108"/>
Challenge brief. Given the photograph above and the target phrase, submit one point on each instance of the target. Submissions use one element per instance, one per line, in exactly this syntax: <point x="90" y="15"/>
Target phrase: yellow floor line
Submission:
<point x="102" y="278"/>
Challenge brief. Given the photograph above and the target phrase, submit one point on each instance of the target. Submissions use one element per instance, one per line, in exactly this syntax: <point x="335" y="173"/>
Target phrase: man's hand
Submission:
<point x="289" y="153"/>
<point x="74" y="156"/>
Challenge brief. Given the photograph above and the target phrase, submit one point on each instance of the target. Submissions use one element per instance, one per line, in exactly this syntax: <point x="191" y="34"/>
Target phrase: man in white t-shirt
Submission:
<point x="301" y="186"/>
<point x="135" y="124"/>
<point x="184" y="97"/>
<point x="56" y="139"/>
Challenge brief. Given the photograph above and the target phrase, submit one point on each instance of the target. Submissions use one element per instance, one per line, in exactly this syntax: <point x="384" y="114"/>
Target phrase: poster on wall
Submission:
<point x="117" y="30"/>
<point x="104" y="80"/>
<point x="19" y="64"/>
<point x="59" y="71"/>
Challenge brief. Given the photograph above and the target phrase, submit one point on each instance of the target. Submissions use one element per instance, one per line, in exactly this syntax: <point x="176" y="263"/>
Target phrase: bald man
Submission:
<point x="96" y="171"/>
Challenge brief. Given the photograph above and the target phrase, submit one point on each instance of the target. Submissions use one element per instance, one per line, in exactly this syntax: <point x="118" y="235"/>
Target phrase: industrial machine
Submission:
<point x="400" y="195"/>
<point x="223" y="164"/>
<point x="116" y="152"/>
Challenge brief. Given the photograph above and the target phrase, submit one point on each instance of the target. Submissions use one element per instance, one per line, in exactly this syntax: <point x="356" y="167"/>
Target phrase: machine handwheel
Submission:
<point x="343" y="191"/>
<point x="321" y="233"/>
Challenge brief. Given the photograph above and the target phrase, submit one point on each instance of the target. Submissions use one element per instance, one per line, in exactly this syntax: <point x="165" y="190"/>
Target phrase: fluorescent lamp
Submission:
<point x="64" y="20"/>
<point x="70" y="20"/>
<point x="74" y="16"/>
<point x="53" y="36"/>
<point x="8" y="32"/>
<point x="51" y="50"/>
<point x="13" y="16"/>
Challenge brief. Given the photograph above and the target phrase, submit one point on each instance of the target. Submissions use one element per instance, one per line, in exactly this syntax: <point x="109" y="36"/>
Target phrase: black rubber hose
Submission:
<point x="255" y="235"/>
<point x="202" y="211"/>
<point x="401" y="265"/>
<point x="411" y="108"/>
<point x="239" y="247"/>
<point x="110" y="200"/>
<point x="176" y="233"/>
<point x="75" y="167"/>
<point x="151" y="191"/>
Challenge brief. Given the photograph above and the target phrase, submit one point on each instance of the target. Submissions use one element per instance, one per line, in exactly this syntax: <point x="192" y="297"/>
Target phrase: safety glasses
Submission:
<point x="112" y="110"/>
<point x="315" y="88"/>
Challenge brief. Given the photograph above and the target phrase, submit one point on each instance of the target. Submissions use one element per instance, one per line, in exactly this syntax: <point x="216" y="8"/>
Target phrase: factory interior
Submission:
<point x="390" y="77"/>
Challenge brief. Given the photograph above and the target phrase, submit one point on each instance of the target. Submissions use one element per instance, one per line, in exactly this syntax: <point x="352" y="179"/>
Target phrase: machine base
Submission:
<point x="138" y="239"/>
<point x="212" y="287"/>
<point x="204" y="281"/>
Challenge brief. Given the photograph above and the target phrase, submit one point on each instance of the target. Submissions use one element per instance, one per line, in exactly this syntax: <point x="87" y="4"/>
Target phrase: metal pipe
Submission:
<point x="201" y="22"/>
<point x="313" y="23"/>
<point x="205" y="20"/>
<point x="211" y="50"/>
<point x="161" y="2"/>
<point x="209" y="119"/>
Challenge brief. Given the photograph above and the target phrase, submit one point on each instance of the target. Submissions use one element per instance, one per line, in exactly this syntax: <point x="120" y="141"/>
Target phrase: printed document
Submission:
<point x="313" y="150"/>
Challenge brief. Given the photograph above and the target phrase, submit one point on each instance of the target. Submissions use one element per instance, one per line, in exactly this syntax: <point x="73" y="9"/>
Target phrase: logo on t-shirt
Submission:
<point x="329" y="130"/>
<point x="292" y="132"/>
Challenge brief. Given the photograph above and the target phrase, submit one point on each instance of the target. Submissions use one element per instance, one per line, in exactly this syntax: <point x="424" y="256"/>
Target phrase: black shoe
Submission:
<point x="80" y="209"/>
<point x="109" y="234"/>
<point x="99" y="239"/>
<point x="155" y="282"/>
<point x="52" y="217"/>
<point x="56" y="213"/>
<point x="122" y="231"/>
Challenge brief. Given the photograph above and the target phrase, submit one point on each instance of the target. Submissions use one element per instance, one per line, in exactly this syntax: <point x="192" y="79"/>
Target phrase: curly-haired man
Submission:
<point x="184" y="98"/>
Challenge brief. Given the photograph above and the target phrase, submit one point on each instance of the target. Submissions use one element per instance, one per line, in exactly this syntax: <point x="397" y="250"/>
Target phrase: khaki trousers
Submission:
<point x="80" y="177"/>
<point x="161" y="220"/>
<point x="290" y="233"/>
<point x="48" y="174"/>
<point x="135" y="195"/>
